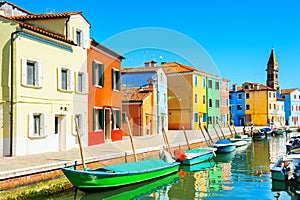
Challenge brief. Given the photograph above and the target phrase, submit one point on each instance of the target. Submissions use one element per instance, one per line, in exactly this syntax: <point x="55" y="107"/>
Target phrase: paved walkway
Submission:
<point x="23" y="165"/>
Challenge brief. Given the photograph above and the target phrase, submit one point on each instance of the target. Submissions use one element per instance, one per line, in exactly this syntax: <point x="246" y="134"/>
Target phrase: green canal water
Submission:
<point x="243" y="174"/>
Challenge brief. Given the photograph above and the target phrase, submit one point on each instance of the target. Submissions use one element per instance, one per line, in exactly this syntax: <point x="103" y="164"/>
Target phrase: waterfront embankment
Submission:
<point x="17" y="173"/>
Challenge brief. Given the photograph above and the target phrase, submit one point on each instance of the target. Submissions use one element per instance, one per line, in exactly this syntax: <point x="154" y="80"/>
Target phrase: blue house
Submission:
<point x="237" y="105"/>
<point x="140" y="77"/>
<point x="291" y="106"/>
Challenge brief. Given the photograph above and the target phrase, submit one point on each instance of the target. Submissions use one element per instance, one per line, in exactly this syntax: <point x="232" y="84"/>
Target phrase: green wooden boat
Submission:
<point x="120" y="174"/>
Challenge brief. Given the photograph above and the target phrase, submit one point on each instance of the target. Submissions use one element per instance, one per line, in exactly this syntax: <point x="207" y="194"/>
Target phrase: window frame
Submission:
<point x="32" y="125"/>
<point x="83" y="83"/>
<point x="81" y="42"/>
<point x="38" y="75"/>
<point x="69" y="81"/>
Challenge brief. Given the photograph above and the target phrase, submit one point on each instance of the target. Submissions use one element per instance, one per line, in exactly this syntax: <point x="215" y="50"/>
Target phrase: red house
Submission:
<point x="105" y="99"/>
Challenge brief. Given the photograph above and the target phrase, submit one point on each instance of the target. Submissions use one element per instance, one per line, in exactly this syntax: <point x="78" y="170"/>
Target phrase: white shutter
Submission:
<point x="74" y="125"/>
<point x="77" y="81"/>
<point x="71" y="78"/>
<point x="59" y="78"/>
<point x="74" y="35"/>
<point x="40" y="74"/>
<point x="43" y="124"/>
<point x="85" y="83"/>
<point x="83" y="41"/>
<point x="24" y="71"/>
<point x="30" y="124"/>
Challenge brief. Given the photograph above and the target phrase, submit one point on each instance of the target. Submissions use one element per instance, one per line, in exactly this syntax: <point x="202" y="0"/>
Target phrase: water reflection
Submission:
<point x="243" y="174"/>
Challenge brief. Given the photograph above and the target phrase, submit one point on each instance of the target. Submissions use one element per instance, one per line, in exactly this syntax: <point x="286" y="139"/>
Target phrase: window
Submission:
<point x="78" y="123"/>
<point x="195" y="80"/>
<point x="81" y="82"/>
<point x="210" y="103"/>
<point x="270" y="106"/>
<point x="36" y="125"/>
<point x="247" y="107"/>
<point x="124" y="116"/>
<point x="196" y="98"/>
<point x="217" y="85"/>
<point x="31" y="73"/>
<point x="239" y="107"/>
<point x="98" y="74"/>
<point x="204" y="82"/>
<point x="221" y="101"/>
<point x="239" y="96"/>
<point x="217" y="103"/>
<point x="116" y="79"/>
<point x="98" y="119"/>
<point x="65" y="79"/>
<point x="209" y="84"/>
<point x="247" y="95"/>
<point x="196" y="117"/>
<point x="203" y="99"/>
<point x="227" y="102"/>
<point x="79" y="37"/>
<point x="116" y="119"/>
<point x="295" y="96"/>
<point x="246" y="87"/>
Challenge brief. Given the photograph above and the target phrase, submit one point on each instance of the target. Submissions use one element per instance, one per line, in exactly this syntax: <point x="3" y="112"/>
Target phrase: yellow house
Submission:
<point x="260" y="103"/>
<point x="44" y="82"/>
<point x="186" y="96"/>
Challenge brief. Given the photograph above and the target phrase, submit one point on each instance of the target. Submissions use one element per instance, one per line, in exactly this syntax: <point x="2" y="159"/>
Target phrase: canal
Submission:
<point x="243" y="174"/>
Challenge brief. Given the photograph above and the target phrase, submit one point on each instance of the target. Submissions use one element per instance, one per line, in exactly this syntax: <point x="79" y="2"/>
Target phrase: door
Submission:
<point x="107" y="124"/>
<point x="60" y="130"/>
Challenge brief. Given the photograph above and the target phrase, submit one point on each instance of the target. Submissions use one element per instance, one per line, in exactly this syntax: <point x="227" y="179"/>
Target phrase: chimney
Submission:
<point x="147" y="64"/>
<point x="153" y="63"/>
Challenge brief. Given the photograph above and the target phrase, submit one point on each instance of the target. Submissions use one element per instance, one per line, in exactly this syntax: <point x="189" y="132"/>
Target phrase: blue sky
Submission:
<point x="237" y="35"/>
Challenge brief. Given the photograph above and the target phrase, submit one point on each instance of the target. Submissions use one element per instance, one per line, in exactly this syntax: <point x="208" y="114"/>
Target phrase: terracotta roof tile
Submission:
<point x="174" y="67"/>
<point x="288" y="91"/>
<point x="140" y="69"/>
<point x="135" y="94"/>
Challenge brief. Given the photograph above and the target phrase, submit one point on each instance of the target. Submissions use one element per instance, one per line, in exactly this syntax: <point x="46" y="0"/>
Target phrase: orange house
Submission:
<point x="104" y="98"/>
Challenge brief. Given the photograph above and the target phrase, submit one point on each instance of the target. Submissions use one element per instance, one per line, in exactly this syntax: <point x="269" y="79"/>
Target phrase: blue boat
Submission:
<point x="258" y="135"/>
<point x="224" y="146"/>
<point x="266" y="130"/>
<point x="198" y="155"/>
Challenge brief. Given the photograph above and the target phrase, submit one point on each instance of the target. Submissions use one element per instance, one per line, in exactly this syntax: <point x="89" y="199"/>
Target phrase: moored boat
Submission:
<point x="120" y="174"/>
<point x="278" y="131"/>
<point x="198" y="155"/>
<point x="258" y="135"/>
<point x="287" y="168"/>
<point x="239" y="143"/>
<point x="199" y="166"/>
<point x="224" y="146"/>
<point x="266" y="130"/>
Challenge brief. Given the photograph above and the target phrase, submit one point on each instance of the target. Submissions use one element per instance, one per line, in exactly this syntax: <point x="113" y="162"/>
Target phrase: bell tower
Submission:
<point x="272" y="71"/>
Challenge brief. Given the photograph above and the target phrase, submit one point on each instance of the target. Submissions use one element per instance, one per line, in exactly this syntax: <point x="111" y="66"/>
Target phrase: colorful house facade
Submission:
<point x="187" y="96"/>
<point x="291" y="106"/>
<point x="237" y="105"/>
<point x="260" y="104"/>
<point x="213" y="100"/>
<point x="105" y="100"/>
<point x="143" y="76"/>
<point x="224" y="102"/>
<point x="138" y="109"/>
<point x="44" y="89"/>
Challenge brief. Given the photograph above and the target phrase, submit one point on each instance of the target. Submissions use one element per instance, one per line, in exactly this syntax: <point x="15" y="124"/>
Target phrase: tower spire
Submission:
<point x="272" y="71"/>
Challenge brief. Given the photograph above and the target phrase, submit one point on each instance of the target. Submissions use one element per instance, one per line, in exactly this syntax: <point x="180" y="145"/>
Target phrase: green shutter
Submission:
<point x="94" y="119"/>
<point x="102" y="75"/>
<point x="118" y="80"/>
<point x="102" y="118"/>
<point x="94" y="65"/>
<point x="113" y="78"/>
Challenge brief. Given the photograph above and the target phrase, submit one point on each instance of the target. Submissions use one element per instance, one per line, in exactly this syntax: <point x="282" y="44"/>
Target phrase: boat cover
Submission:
<point x="223" y="141"/>
<point x="145" y="165"/>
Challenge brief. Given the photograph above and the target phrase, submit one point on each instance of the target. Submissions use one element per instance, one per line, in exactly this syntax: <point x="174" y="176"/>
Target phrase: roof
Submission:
<point x="135" y="94"/>
<point x="175" y="67"/>
<point x="272" y="59"/>
<point x="47" y="16"/>
<point x="288" y="91"/>
<point x="257" y="87"/>
<point x="136" y="79"/>
<point x="140" y="69"/>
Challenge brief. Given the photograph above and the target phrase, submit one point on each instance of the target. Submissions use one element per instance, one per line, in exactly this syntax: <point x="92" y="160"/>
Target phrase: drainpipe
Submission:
<point x="12" y="91"/>
<point x="67" y="33"/>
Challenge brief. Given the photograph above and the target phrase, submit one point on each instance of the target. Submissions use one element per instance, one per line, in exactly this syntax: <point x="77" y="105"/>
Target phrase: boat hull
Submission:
<point x="195" y="156"/>
<point x="88" y="180"/>
<point x="225" y="149"/>
<point x="280" y="174"/>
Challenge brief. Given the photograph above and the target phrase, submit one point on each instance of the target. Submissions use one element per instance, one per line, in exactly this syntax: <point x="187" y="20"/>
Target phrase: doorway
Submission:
<point x="60" y="131"/>
<point x="107" y="124"/>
